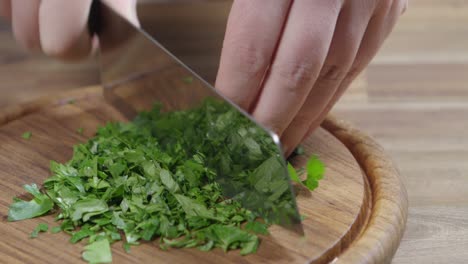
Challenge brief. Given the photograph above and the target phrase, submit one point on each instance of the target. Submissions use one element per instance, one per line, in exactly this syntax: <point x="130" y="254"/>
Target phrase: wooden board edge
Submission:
<point x="356" y="229"/>
<point x="381" y="237"/>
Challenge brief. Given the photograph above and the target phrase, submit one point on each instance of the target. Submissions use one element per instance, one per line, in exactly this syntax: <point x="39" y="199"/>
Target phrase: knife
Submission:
<point x="137" y="71"/>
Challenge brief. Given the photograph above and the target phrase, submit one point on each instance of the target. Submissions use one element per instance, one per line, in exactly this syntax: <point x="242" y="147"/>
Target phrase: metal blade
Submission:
<point x="137" y="71"/>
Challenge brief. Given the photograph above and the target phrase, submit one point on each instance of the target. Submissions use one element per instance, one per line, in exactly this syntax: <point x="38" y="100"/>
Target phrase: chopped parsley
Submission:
<point x="168" y="176"/>
<point x="98" y="252"/>
<point x="55" y="229"/>
<point x="39" y="205"/>
<point x="41" y="227"/>
<point x="26" y="135"/>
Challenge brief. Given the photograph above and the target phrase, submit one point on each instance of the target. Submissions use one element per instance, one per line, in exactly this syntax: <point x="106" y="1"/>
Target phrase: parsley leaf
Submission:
<point x="55" y="229"/>
<point x="84" y="232"/>
<point x="98" y="252"/>
<point x="39" y="205"/>
<point x="315" y="170"/>
<point x="257" y="228"/>
<point x="293" y="173"/>
<point x="26" y="135"/>
<point x="41" y="227"/>
<point x="86" y="208"/>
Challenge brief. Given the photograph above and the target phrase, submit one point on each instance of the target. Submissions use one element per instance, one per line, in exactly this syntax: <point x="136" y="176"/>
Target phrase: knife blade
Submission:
<point x="137" y="71"/>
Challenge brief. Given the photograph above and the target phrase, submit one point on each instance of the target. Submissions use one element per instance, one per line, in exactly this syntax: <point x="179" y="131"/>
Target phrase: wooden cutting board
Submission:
<point x="357" y="215"/>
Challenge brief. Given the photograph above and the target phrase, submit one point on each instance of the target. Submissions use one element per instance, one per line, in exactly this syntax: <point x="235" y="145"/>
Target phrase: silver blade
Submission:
<point x="137" y="71"/>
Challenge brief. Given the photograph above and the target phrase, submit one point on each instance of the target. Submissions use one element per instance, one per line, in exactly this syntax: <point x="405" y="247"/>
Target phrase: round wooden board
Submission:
<point x="357" y="214"/>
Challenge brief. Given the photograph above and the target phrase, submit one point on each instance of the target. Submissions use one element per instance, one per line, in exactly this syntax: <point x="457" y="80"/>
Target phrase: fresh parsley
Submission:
<point x="39" y="205"/>
<point x="315" y="170"/>
<point x="168" y="176"/>
<point x="26" y="135"/>
<point x="41" y="227"/>
<point x="98" y="252"/>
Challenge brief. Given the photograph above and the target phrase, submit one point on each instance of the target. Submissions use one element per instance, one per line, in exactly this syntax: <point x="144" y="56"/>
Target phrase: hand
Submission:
<point x="287" y="62"/>
<point x="58" y="27"/>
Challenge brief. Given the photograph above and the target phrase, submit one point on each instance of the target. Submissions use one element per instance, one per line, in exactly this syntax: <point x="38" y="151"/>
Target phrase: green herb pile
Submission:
<point x="159" y="177"/>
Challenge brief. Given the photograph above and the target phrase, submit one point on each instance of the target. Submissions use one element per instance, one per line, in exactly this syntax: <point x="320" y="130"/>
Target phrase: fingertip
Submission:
<point x="64" y="35"/>
<point x="67" y="50"/>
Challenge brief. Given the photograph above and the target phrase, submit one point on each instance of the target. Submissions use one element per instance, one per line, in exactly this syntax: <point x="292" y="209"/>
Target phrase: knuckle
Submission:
<point x="333" y="72"/>
<point x="247" y="58"/>
<point x="297" y="75"/>
<point x="385" y="4"/>
<point x="354" y="71"/>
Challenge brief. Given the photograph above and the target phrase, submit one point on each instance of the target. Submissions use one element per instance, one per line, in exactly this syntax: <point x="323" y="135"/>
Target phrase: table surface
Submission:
<point x="413" y="99"/>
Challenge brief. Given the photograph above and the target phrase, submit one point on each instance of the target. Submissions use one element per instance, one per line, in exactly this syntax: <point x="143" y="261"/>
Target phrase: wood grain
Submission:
<point x="421" y="70"/>
<point x="343" y="211"/>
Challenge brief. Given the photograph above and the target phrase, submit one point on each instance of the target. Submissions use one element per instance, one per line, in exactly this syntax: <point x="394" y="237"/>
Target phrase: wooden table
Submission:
<point x="416" y="106"/>
<point x="413" y="99"/>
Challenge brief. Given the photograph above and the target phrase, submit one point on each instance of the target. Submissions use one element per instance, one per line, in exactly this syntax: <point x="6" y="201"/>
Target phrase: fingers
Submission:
<point x="350" y="29"/>
<point x="378" y="29"/>
<point x="64" y="34"/>
<point x="252" y="33"/>
<point x="58" y="27"/>
<point x="5" y="9"/>
<point x="25" y="23"/>
<point x="297" y="63"/>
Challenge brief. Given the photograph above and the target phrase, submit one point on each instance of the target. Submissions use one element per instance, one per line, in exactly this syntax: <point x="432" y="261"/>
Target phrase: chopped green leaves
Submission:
<point x="84" y="232"/>
<point x="55" y="229"/>
<point x="293" y="173"/>
<point x="228" y="237"/>
<point x="27" y="135"/>
<point x="85" y="208"/>
<point x="314" y="171"/>
<point x="257" y="227"/>
<point x="168" y="181"/>
<point x="158" y="178"/>
<point x="98" y="252"/>
<point x="80" y="130"/>
<point x="39" y="205"/>
<point x="194" y="208"/>
<point x="41" y="227"/>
